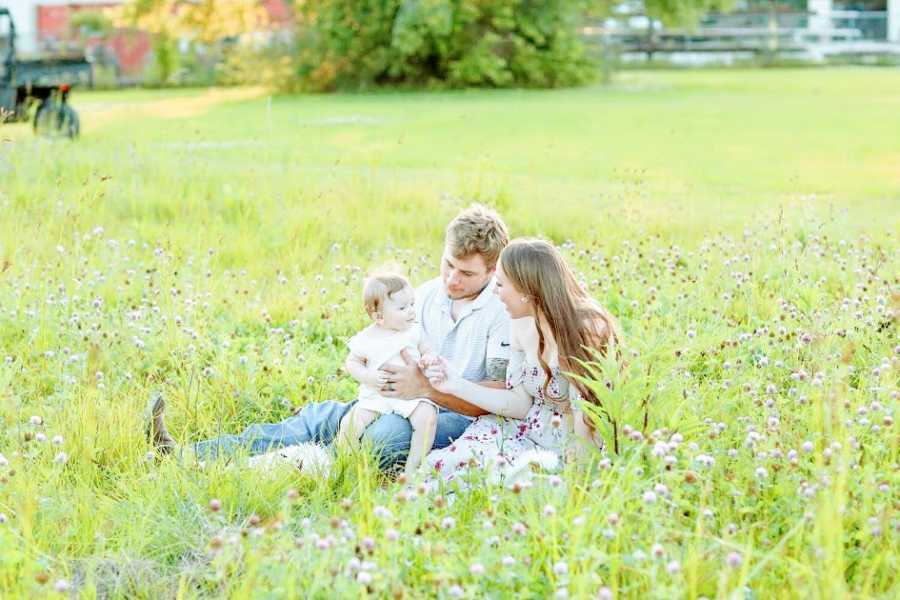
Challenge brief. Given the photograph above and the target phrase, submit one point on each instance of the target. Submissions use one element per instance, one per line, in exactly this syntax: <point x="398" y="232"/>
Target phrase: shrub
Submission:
<point x="272" y="66"/>
<point x="440" y="43"/>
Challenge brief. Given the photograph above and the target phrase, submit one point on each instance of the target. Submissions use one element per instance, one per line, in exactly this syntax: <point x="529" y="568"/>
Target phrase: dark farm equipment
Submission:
<point x="45" y="82"/>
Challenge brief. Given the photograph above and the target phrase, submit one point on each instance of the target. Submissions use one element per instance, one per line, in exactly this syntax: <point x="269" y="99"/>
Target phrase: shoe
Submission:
<point x="156" y="431"/>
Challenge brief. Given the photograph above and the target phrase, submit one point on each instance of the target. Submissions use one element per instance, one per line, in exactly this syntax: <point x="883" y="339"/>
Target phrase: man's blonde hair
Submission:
<point x="379" y="287"/>
<point x="477" y="230"/>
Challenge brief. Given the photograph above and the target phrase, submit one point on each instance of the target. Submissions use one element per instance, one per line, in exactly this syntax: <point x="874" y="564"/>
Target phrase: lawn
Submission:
<point x="210" y="244"/>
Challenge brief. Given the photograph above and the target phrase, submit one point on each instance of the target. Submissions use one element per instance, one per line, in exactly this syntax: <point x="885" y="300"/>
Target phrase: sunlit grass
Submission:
<point x="741" y="225"/>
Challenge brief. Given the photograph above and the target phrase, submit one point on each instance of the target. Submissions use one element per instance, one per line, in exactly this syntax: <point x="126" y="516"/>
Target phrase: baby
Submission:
<point x="390" y="302"/>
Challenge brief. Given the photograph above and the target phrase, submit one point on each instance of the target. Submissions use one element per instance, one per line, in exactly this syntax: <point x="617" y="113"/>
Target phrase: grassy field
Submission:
<point x="210" y="244"/>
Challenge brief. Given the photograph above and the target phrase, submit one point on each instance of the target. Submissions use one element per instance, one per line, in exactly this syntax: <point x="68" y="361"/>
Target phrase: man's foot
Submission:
<point x="156" y="431"/>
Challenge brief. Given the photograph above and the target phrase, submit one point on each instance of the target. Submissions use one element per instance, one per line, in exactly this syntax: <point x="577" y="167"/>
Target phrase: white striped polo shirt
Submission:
<point x="479" y="334"/>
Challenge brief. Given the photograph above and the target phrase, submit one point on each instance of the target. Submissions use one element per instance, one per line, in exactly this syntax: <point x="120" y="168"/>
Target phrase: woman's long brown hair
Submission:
<point x="577" y="322"/>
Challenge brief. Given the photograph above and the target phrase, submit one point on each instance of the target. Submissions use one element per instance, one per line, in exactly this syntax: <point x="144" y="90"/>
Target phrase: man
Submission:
<point x="463" y="321"/>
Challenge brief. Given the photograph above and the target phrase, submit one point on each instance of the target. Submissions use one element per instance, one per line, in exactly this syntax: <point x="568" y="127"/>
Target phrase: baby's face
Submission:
<point x="399" y="311"/>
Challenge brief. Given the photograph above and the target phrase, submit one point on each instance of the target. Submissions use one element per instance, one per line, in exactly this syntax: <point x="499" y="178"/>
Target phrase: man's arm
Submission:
<point x="458" y="405"/>
<point x="496" y="370"/>
<point x="514" y="403"/>
<point x="409" y="382"/>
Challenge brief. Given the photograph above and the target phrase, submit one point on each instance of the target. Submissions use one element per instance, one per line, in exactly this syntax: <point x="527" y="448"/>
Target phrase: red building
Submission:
<point x="130" y="50"/>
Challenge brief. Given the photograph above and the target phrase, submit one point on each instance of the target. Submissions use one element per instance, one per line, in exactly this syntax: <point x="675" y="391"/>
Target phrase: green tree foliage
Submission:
<point x="87" y="23"/>
<point x="684" y="12"/>
<point x="441" y="43"/>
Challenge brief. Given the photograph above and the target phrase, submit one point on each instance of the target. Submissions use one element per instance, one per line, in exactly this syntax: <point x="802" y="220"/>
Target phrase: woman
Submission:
<point x="555" y="325"/>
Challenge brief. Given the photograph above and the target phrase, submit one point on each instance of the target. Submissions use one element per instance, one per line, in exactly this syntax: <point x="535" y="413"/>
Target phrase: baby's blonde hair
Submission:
<point x="379" y="287"/>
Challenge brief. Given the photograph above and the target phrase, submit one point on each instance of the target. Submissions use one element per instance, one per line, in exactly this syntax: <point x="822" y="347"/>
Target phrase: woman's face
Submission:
<point x="510" y="296"/>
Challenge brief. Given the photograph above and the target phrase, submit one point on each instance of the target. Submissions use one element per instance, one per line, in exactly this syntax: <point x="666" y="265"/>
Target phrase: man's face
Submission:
<point x="399" y="311"/>
<point x="464" y="277"/>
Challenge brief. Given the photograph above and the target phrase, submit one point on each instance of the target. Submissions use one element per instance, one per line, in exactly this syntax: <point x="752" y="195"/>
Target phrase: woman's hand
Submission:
<point x="587" y="434"/>
<point x="442" y="376"/>
<point x="427" y="360"/>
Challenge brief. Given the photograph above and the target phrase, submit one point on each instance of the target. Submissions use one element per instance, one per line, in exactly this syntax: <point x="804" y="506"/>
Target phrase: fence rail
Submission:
<point x="780" y="32"/>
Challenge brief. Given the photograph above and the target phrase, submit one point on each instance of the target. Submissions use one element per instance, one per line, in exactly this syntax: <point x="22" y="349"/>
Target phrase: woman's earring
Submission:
<point x="524" y="299"/>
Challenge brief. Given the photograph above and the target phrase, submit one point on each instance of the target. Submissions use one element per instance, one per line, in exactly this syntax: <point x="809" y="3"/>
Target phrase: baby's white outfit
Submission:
<point x="382" y="348"/>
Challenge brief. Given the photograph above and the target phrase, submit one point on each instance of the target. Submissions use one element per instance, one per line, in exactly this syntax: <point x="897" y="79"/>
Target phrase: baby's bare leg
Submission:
<point x="354" y="424"/>
<point x="424" y="424"/>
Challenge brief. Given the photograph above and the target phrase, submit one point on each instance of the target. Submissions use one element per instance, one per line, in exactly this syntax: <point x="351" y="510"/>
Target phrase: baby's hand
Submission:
<point x="428" y="360"/>
<point x="442" y="377"/>
<point x="375" y="378"/>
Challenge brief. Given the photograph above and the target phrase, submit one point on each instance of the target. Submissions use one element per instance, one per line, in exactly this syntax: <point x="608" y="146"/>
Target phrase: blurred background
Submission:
<point x="323" y="45"/>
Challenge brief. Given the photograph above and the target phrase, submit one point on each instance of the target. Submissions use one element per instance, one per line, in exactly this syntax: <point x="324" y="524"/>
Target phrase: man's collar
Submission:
<point x="485" y="295"/>
<point x="480" y="300"/>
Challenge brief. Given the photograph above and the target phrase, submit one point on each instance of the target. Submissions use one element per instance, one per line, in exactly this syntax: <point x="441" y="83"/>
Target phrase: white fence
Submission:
<point x="733" y="36"/>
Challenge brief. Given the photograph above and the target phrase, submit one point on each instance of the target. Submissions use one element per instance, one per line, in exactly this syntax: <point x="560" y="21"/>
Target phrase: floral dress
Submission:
<point x="509" y="447"/>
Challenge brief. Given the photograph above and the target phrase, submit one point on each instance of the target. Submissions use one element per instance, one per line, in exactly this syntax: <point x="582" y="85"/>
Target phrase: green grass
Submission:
<point x="182" y="245"/>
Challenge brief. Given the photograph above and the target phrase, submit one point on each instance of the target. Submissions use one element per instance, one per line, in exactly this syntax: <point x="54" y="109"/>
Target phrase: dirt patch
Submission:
<point x="170" y="108"/>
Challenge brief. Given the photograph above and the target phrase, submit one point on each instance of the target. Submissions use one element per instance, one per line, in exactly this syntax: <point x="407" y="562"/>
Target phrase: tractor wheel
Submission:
<point x="68" y="119"/>
<point x="53" y="119"/>
<point x="44" y="117"/>
<point x="20" y="115"/>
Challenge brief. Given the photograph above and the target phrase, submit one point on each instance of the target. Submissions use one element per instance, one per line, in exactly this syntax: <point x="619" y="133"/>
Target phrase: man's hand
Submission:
<point x="406" y="382"/>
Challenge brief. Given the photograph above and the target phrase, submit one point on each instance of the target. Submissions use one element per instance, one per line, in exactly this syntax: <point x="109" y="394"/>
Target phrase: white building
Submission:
<point x="825" y="12"/>
<point x="25" y="15"/>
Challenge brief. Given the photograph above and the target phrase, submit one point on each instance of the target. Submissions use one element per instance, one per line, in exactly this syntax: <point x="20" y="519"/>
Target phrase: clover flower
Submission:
<point x="705" y="460"/>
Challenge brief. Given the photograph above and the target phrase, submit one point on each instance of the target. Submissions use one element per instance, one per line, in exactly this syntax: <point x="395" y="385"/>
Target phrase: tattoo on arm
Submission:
<point x="496" y="369"/>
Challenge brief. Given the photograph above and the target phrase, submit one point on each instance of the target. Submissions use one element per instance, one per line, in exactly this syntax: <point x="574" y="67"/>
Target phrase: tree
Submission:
<point x="670" y="12"/>
<point x="203" y="21"/>
<point x="458" y="43"/>
<point x="87" y="23"/>
<point x="684" y="12"/>
<point x="441" y="43"/>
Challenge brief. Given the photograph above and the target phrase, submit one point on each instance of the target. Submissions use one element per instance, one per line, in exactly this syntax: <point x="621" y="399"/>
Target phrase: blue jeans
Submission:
<point x="389" y="434"/>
